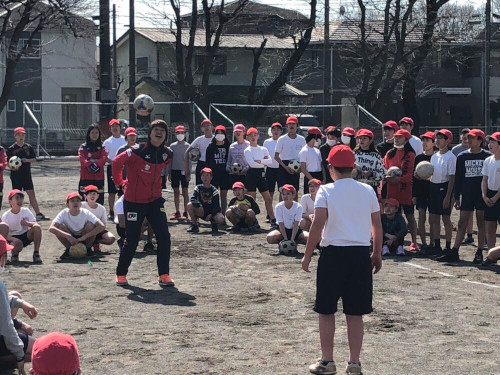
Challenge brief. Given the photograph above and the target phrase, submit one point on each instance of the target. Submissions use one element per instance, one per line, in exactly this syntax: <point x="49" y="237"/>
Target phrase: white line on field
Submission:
<point x="449" y="275"/>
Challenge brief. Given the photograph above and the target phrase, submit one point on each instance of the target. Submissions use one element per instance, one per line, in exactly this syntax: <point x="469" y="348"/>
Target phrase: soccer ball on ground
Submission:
<point x="236" y="168"/>
<point x="195" y="154"/>
<point x="424" y="170"/>
<point x="78" y="251"/>
<point x="394" y="172"/>
<point x="15" y="163"/>
<point x="287" y="247"/>
<point x="357" y="173"/>
<point x="295" y="165"/>
<point x="144" y="105"/>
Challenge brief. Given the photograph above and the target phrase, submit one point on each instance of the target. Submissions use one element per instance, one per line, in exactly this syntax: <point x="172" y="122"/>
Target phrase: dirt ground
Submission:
<point x="237" y="308"/>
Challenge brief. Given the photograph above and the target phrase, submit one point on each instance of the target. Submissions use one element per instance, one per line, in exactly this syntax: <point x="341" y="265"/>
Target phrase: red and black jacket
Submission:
<point x="89" y="154"/>
<point x="144" y="165"/>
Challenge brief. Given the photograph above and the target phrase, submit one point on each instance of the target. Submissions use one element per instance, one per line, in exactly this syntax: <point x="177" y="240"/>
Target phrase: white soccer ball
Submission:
<point x="236" y="168"/>
<point x="15" y="163"/>
<point x="287" y="247"/>
<point x="424" y="170"/>
<point x="394" y="172"/>
<point x="295" y="165"/>
<point x="195" y="154"/>
<point x="144" y="105"/>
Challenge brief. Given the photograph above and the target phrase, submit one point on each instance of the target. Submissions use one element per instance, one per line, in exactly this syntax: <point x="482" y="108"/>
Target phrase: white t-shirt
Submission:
<point x="312" y="157"/>
<point x="350" y="204"/>
<point x="201" y="143"/>
<point x="444" y="167"/>
<point x="416" y="143"/>
<point x="112" y="145"/>
<point x="119" y="209"/>
<point x="14" y="221"/>
<point x="491" y="168"/>
<point x="289" y="148"/>
<point x="270" y="144"/>
<point x="288" y="216"/>
<point x="257" y="153"/>
<point x="75" y="223"/>
<point x="307" y="204"/>
<point x="99" y="212"/>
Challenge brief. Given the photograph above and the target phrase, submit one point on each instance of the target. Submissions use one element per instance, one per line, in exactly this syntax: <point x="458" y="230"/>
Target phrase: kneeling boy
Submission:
<point x="243" y="209"/>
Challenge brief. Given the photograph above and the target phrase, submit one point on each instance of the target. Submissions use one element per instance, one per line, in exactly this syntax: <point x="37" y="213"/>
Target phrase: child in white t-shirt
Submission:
<point x="288" y="216"/>
<point x="307" y="203"/>
<point x="91" y="197"/>
<point x="23" y="228"/>
<point x="75" y="224"/>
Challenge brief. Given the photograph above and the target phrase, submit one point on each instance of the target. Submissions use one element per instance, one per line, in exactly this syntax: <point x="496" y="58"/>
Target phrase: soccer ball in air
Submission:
<point x="287" y="247"/>
<point x="144" y="105"/>
<point x="195" y="154"/>
<point x="357" y="173"/>
<point x="236" y="168"/>
<point x="78" y="251"/>
<point x="394" y="172"/>
<point x="295" y="165"/>
<point x="424" y="170"/>
<point x="15" y="163"/>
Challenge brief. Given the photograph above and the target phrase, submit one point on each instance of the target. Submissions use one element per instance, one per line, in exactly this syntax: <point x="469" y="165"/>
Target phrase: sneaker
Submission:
<point x="111" y="216"/>
<point x="400" y="251"/>
<point x="175" y="216"/>
<point x="91" y="253"/>
<point x="435" y="252"/>
<point x="235" y="228"/>
<point x="353" y="368"/>
<point x="14" y="258"/>
<point x="478" y="257"/>
<point x="36" y="258"/>
<point x="414" y="247"/>
<point x="165" y="280"/>
<point x="449" y="255"/>
<point x="385" y="250"/>
<point x="468" y="241"/>
<point x="215" y="228"/>
<point x="488" y="262"/>
<point x="268" y="219"/>
<point x="41" y="217"/>
<point x="149" y="247"/>
<point x="184" y="216"/>
<point x="320" y="367"/>
<point x="193" y="228"/>
<point x="121" y="280"/>
<point x="274" y="224"/>
<point x="65" y="255"/>
<point x="97" y="248"/>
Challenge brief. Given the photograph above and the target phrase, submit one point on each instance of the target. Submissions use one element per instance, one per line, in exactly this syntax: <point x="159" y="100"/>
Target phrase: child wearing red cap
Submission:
<point x="201" y="143"/>
<point x="348" y="137"/>
<point x="112" y="144"/>
<point x="93" y="157"/>
<point x="310" y="158"/>
<point x="394" y="227"/>
<point x="307" y="203"/>
<point x="55" y="354"/>
<point x="333" y="136"/>
<point x="288" y="215"/>
<point x="131" y="138"/>
<point x="23" y="228"/>
<point x="407" y="123"/>
<point x="491" y="189"/>
<point x="346" y="219"/>
<point x="369" y="159"/>
<point x="205" y="203"/>
<point x="21" y="178"/>
<point x="177" y="174"/>
<point x="217" y="154"/>
<point x="390" y="127"/>
<point x="243" y="210"/>
<point x="273" y="168"/>
<point x="236" y="155"/>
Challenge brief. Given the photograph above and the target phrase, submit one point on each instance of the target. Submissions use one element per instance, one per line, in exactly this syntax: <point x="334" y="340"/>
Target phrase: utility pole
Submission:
<point x="104" y="57"/>
<point x="326" y="66"/>
<point x="487" y="69"/>
<point x="131" y="63"/>
<point x="115" y="70"/>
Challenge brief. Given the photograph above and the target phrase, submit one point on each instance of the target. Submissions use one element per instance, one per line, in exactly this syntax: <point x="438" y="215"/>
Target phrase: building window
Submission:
<point x="11" y="105"/>
<point x="33" y="51"/>
<point x="37" y="106"/>
<point x="142" y="65"/>
<point x="219" y="65"/>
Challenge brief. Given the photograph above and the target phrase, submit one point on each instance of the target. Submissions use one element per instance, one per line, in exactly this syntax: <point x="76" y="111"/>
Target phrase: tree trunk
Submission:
<point x="255" y="70"/>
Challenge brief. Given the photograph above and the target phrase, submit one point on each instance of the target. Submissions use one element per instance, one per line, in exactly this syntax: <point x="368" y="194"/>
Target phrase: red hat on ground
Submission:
<point x="130" y="130"/>
<point x="114" y="121"/>
<point x="276" y="124"/>
<point x="430" y="135"/>
<point x="403" y="133"/>
<point x="4" y="246"/>
<point x="19" y="129"/>
<point x="90" y="188"/>
<point x="496" y="136"/>
<point x="239" y="127"/>
<point x="238" y="185"/>
<point x="252" y="131"/>
<point x="55" y="354"/>
<point x="391" y="124"/>
<point x="289" y="188"/>
<point x="477" y="133"/>
<point x="341" y="156"/>
<point x="348" y="131"/>
<point x="180" y="128"/>
<point x="408" y="120"/>
<point x="392" y="202"/>
<point x="446" y="133"/>
<point x="220" y="127"/>
<point x="206" y="170"/>
<point x="14" y="192"/>
<point x="206" y="121"/>
<point x="314" y="131"/>
<point x="73" y="194"/>
<point x="292" y="120"/>
<point x="315" y="181"/>
<point x="364" y="133"/>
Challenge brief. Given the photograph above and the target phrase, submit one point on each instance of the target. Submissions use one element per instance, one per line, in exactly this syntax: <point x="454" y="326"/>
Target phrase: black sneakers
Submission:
<point x="215" y="228"/>
<point x="65" y="255"/>
<point x="449" y="255"/>
<point x="488" y="262"/>
<point x="193" y="228"/>
<point x="478" y="258"/>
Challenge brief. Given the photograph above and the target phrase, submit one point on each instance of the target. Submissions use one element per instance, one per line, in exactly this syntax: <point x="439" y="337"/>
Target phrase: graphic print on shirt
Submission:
<point x="220" y="157"/>
<point x="474" y="168"/>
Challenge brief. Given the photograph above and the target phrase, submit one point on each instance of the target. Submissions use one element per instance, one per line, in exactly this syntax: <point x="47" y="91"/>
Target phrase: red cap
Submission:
<point x="206" y="121"/>
<point x="329" y="129"/>
<point x="206" y="170"/>
<point x="364" y="133"/>
<point x="14" y="192"/>
<point x="430" y="135"/>
<point x="314" y="131"/>
<point x="391" y="124"/>
<point x="55" y="354"/>
<point x="180" y="128"/>
<point x="292" y="120"/>
<point x="446" y="133"/>
<point x="220" y="127"/>
<point x="238" y="185"/>
<point x="19" y="129"/>
<point x="90" y="188"/>
<point x="341" y="156"/>
<point x="496" y="136"/>
<point x="348" y="131"/>
<point x="477" y="133"/>
<point x="73" y="194"/>
<point x="4" y="246"/>
<point x="276" y="124"/>
<point x="314" y="180"/>
<point x="114" y="122"/>
<point x="404" y="133"/>
<point x="130" y="130"/>
<point x="252" y="131"/>
<point x="408" y="120"/>
<point x="239" y="127"/>
<point x="392" y="201"/>
<point x="289" y="188"/>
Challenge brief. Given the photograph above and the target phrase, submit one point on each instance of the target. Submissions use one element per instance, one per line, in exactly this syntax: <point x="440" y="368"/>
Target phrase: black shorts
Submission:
<point x="473" y="201"/>
<point x="422" y="203"/>
<point x="98" y="237"/>
<point x="383" y="191"/>
<point x="437" y="193"/>
<point x="316" y="175"/>
<point x="256" y="179"/>
<point x="111" y="183"/>
<point x="286" y="178"/>
<point x="100" y="188"/>
<point x="208" y="210"/>
<point x="272" y="178"/>
<point x="24" y="238"/>
<point x="408" y="209"/>
<point x="221" y="180"/>
<point x="492" y="213"/>
<point x="21" y="180"/>
<point x="3" y="348"/>
<point x="178" y="179"/>
<point x="344" y="272"/>
<point x="289" y="234"/>
<point x="237" y="178"/>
